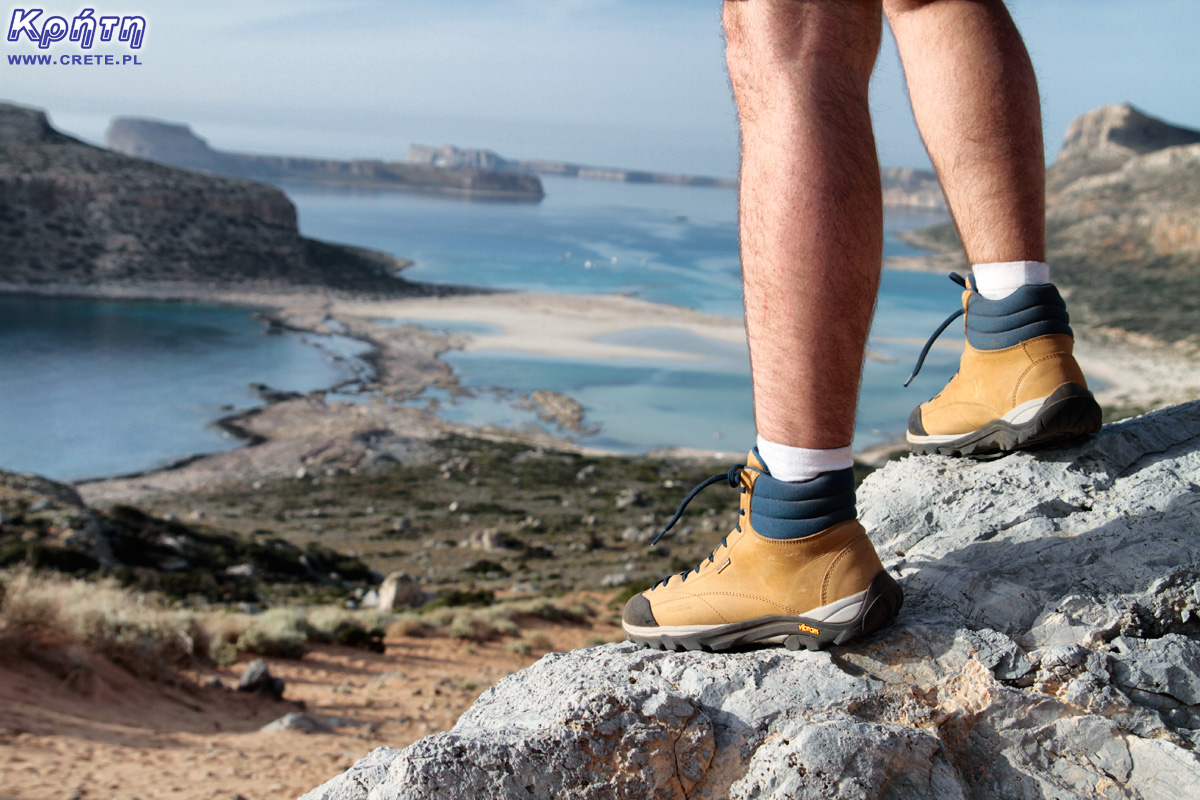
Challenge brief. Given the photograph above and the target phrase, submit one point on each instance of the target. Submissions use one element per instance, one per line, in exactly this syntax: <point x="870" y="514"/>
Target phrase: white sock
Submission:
<point x="801" y="463"/>
<point x="998" y="280"/>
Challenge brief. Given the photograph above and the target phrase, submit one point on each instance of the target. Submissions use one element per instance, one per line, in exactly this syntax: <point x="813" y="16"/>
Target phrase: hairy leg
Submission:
<point x="810" y="216"/>
<point x="975" y="99"/>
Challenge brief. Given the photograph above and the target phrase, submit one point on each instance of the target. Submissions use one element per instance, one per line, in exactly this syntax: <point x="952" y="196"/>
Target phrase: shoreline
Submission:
<point x="289" y="434"/>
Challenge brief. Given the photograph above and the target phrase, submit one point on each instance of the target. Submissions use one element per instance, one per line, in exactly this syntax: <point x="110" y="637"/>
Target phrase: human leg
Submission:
<point x="810" y="210"/>
<point x="975" y="98"/>
<point x="798" y="567"/>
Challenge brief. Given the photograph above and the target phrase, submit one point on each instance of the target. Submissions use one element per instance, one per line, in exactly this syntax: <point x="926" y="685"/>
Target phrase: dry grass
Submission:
<point x="489" y="623"/>
<point x="63" y="622"/>
<point x="47" y="617"/>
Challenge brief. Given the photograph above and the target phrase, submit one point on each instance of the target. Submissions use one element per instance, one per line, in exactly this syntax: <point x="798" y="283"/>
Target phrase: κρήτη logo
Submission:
<point x="84" y="28"/>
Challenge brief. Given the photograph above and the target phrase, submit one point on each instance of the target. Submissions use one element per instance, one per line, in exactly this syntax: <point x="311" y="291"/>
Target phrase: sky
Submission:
<point x="630" y="83"/>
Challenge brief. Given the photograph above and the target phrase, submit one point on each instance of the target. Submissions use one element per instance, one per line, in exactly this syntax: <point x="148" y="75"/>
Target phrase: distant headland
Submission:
<point x="902" y="187"/>
<point x="178" y="146"/>
<point x="81" y="220"/>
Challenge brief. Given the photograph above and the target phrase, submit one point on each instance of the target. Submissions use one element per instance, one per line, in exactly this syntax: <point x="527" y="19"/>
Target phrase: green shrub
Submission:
<point x="278" y="633"/>
<point x="463" y="597"/>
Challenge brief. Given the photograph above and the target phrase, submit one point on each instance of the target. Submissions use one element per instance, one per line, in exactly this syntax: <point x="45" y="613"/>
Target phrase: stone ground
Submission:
<point x="1049" y="647"/>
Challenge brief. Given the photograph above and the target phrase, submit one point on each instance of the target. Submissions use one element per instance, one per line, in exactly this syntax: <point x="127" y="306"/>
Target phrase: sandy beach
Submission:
<point x="1132" y="373"/>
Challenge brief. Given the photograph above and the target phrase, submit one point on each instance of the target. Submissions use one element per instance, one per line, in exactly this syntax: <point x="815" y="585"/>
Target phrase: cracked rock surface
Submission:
<point x="1049" y="647"/>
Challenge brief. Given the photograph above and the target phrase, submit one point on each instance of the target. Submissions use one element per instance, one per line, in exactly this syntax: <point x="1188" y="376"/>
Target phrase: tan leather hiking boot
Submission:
<point x="821" y="589"/>
<point x="1018" y="385"/>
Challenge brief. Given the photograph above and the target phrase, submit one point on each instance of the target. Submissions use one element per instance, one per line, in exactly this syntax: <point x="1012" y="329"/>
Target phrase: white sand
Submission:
<point x="555" y="324"/>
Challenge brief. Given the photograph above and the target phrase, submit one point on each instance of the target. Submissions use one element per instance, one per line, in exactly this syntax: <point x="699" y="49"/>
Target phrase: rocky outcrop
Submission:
<point x="47" y="525"/>
<point x="1122" y="227"/>
<point x="902" y="187"/>
<point x="1123" y="234"/>
<point x="83" y="220"/>
<point x="1049" y="646"/>
<point x="177" y="145"/>
<point x="1104" y="139"/>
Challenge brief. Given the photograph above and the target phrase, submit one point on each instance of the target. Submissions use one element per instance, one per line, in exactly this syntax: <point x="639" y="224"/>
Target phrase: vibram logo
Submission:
<point x="809" y="629"/>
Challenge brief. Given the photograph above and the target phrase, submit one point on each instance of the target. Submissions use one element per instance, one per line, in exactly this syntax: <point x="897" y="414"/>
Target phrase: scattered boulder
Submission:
<point x="1049" y="646"/>
<point x="628" y="498"/>
<point x="487" y="539"/>
<point x="295" y="721"/>
<point x="257" y="678"/>
<point x="400" y="590"/>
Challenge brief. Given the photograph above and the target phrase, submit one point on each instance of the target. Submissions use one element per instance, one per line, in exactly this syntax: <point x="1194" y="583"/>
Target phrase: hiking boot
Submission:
<point x="825" y="587"/>
<point x="1018" y="385"/>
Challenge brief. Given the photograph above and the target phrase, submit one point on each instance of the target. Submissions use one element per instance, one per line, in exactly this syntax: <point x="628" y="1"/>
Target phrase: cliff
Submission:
<point x="1122" y="224"/>
<point x="178" y="146"/>
<point x="1049" y="646"/>
<point x="79" y="219"/>
<point x="1123" y="235"/>
<point x="902" y="187"/>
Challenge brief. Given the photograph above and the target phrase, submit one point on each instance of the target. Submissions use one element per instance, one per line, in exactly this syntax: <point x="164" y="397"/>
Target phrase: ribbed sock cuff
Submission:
<point x="1000" y="279"/>
<point x="801" y="463"/>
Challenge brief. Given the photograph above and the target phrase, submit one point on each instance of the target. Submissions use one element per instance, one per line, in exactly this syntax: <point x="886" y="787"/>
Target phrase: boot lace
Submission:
<point x="961" y="281"/>
<point x="734" y="478"/>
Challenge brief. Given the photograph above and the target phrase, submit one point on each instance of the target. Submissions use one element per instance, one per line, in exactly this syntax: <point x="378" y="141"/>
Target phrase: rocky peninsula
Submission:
<point x="902" y="187"/>
<point x="177" y="145"/>
<point x="81" y="220"/>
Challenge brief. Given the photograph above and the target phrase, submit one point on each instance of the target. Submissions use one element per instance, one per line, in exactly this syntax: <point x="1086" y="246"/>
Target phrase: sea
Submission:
<point x="92" y="388"/>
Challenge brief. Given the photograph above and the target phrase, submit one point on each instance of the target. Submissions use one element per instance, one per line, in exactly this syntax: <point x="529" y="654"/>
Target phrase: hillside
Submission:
<point x="82" y="220"/>
<point x="1123" y="235"/>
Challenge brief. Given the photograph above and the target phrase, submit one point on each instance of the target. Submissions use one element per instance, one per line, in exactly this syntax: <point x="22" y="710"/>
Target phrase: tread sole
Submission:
<point x="1070" y="412"/>
<point x="882" y="602"/>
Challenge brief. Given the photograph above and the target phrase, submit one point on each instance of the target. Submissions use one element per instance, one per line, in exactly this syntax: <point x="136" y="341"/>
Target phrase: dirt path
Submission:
<point x="121" y="738"/>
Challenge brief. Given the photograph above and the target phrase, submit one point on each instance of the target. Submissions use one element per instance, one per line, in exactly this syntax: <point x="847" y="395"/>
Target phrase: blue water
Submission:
<point x="667" y="244"/>
<point x="92" y="388"/>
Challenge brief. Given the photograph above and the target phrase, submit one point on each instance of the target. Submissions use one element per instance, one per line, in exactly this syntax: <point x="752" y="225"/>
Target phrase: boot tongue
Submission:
<point x="755" y="460"/>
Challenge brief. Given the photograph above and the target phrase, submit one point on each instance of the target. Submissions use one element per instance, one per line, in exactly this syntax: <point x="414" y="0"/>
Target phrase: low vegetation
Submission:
<point x="62" y="622"/>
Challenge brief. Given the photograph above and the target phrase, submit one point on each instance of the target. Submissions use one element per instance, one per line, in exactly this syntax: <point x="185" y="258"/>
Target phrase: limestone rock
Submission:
<point x="257" y="678"/>
<point x="400" y="590"/>
<point x="1048" y="647"/>
<point x="1116" y="133"/>
<point x="295" y="721"/>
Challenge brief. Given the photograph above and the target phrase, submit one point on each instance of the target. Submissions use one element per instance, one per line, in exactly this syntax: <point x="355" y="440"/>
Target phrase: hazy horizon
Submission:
<point x="606" y="82"/>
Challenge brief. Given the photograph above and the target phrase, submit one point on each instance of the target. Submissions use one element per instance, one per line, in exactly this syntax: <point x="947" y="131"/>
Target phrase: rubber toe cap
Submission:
<point x="638" y="612"/>
<point x="914" y="423"/>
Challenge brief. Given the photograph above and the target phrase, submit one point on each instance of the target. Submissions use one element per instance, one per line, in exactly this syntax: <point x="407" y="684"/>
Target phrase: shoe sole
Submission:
<point x="881" y="602"/>
<point x="1070" y="412"/>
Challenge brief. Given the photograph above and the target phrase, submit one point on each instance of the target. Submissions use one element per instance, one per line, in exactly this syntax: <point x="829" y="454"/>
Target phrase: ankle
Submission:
<point x="796" y="509"/>
<point x="998" y="280"/>
<point x="787" y="463"/>
<point x="1028" y="312"/>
